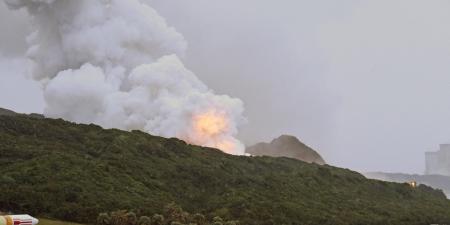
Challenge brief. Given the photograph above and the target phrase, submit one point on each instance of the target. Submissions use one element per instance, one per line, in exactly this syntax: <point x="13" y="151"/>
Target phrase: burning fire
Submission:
<point x="210" y="124"/>
<point x="227" y="146"/>
<point x="212" y="129"/>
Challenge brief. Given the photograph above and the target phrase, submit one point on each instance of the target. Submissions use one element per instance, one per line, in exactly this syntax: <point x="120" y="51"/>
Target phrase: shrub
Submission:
<point x="103" y="219"/>
<point x="157" y="219"/>
<point x="144" y="220"/>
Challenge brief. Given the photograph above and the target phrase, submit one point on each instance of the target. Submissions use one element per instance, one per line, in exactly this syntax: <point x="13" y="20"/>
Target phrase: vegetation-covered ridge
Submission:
<point x="433" y="180"/>
<point x="53" y="168"/>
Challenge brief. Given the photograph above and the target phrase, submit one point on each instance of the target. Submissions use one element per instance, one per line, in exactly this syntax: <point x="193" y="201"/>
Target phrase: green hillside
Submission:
<point x="53" y="168"/>
<point x="43" y="221"/>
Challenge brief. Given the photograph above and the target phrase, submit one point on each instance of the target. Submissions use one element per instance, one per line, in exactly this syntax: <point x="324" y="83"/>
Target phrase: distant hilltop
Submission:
<point x="437" y="171"/>
<point x="286" y="146"/>
<point x="7" y="112"/>
<point x="435" y="181"/>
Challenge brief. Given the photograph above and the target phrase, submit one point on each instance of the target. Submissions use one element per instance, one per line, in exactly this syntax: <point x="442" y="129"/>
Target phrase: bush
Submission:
<point x="158" y="219"/>
<point x="103" y="219"/>
<point x="144" y="220"/>
<point x="175" y="215"/>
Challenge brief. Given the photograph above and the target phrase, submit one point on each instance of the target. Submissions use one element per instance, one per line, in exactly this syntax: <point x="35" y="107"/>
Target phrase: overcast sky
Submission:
<point x="366" y="83"/>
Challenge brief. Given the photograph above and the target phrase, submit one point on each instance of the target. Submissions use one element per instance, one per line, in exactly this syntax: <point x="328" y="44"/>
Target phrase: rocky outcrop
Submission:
<point x="286" y="146"/>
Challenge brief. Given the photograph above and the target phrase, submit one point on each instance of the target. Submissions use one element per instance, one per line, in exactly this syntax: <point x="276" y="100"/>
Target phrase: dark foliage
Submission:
<point x="173" y="215"/>
<point x="74" y="172"/>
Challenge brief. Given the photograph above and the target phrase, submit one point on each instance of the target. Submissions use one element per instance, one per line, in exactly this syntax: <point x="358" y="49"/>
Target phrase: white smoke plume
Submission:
<point x="116" y="63"/>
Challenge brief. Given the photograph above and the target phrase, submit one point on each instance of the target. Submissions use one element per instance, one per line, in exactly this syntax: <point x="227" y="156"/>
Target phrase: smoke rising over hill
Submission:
<point x="117" y="63"/>
<point x="365" y="89"/>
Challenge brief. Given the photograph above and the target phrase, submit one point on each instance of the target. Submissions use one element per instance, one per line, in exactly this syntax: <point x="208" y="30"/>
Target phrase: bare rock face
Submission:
<point x="286" y="146"/>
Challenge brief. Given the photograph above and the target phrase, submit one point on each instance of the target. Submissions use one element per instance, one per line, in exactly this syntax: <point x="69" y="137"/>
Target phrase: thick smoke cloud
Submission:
<point x="364" y="82"/>
<point x="116" y="63"/>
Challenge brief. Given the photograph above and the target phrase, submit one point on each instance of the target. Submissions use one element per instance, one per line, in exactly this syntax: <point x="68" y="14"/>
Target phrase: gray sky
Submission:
<point x="16" y="91"/>
<point x="366" y="83"/>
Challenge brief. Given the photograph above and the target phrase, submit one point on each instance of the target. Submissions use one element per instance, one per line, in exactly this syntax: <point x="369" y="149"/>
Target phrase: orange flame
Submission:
<point x="211" y="129"/>
<point x="210" y="123"/>
<point x="226" y="146"/>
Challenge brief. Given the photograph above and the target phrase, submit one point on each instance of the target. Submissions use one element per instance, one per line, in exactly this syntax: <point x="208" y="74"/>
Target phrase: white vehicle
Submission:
<point x="18" y="220"/>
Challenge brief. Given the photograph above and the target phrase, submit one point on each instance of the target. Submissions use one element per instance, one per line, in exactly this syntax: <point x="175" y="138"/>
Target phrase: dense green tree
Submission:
<point x="144" y="220"/>
<point x="158" y="219"/>
<point x="174" y="212"/>
<point x="217" y="220"/>
<point x="74" y="172"/>
<point x="122" y="217"/>
<point x="199" y="219"/>
<point x="231" y="222"/>
<point x="119" y="217"/>
<point x="103" y="219"/>
<point x="131" y="218"/>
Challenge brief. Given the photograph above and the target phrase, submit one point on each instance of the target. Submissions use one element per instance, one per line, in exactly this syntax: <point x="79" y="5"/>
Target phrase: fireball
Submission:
<point x="210" y="123"/>
<point x="211" y="128"/>
<point x="227" y="146"/>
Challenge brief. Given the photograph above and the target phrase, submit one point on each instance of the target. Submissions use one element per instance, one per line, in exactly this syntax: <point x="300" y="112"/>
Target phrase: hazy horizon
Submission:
<point x="364" y="83"/>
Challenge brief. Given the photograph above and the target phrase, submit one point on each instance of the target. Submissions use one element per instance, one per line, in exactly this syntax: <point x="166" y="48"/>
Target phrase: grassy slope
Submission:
<point x="43" y="221"/>
<point x="71" y="172"/>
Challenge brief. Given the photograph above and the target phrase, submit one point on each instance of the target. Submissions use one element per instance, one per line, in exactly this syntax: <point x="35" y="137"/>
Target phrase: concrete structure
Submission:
<point x="438" y="162"/>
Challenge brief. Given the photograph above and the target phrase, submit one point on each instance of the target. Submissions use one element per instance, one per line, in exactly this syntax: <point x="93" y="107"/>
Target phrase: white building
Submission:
<point x="438" y="162"/>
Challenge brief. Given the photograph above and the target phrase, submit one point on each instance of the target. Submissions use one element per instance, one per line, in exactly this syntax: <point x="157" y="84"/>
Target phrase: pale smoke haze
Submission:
<point x="13" y="82"/>
<point x="116" y="63"/>
<point x="366" y="83"/>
